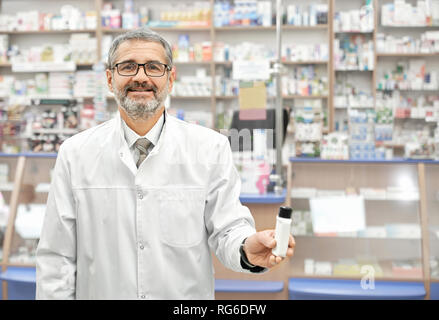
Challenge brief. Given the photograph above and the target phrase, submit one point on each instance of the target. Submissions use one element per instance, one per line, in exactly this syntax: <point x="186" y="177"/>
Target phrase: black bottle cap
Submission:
<point x="285" y="212"/>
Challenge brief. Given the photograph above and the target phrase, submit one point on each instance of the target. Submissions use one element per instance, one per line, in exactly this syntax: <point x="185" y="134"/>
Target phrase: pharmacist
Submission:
<point x="137" y="203"/>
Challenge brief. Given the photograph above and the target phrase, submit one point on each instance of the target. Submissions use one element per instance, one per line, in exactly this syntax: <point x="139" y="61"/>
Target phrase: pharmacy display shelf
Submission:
<point x="81" y="64"/>
<point x="356" y="238"/>
<point x="20" y="264"/>
<point x="226" y="285"/>
<point x="7" y="186"/>
<point x="223" y="63"/>
<point x="432" y="122"/>
<point x="28" y="155"/>
<point x="300" y="288"/>
<point x="305" y="62"/>
<point x="265" y="198"/>
<point x="14" y="32"/>
<point x="386" y="271"/>
<point x="410" y="90"/>
<point x="226" y="97"/>
<point x="403" y="198"/>
<point x="387" y="276"/>
<point x="11" y="120"/>
<point x="230" y="63"/>
<point x="271" y="28"/>
<point x="409" y="55"/>
<point x="159" y="29"/>
<point x="354" y="31"/>
<point x="353" y="107"/>
<point x="67" y="66"/>
<point x="191" y="97"/>
<point x="409" y="27"/>
<point x="289" y="97"/>
<point x="84" y="64"/>
<point x="56" y="131"/>
<point x="182" y="63"/>
<point x="353" y="70"/>
<point x="245" y="28"/>
<point x="297" y="96"/>
<point x="395" y="161"/>
<point x="26" y="275"/>
<point x="315" y="27"/>
<point x="435" y="290"/>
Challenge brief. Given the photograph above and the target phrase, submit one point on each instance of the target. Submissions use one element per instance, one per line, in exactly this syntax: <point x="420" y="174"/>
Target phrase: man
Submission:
<point x="137" y="203"/>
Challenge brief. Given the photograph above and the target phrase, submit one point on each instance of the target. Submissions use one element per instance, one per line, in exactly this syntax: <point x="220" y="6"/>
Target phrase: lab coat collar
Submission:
<point x="122" y="146"/>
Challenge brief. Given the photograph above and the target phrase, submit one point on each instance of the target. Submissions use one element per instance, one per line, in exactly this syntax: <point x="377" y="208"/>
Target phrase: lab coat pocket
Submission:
<point x="182" y="215"/>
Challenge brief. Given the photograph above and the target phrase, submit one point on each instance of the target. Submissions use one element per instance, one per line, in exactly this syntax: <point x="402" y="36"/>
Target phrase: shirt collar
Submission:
<point x="152" y="135"/>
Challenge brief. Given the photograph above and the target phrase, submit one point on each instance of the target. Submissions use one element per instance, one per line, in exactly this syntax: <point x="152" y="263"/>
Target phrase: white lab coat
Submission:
<point x="113" y="231"/>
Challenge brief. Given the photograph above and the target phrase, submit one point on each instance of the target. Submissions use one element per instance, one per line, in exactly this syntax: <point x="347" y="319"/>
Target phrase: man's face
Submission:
<point x="140" y="95"/>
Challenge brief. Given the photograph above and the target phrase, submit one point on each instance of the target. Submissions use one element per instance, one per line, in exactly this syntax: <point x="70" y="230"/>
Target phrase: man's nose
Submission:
<point x="141" y="75"/>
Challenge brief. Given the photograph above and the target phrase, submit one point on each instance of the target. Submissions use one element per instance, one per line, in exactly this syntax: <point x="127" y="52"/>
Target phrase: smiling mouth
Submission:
<point x="140" y="90"/>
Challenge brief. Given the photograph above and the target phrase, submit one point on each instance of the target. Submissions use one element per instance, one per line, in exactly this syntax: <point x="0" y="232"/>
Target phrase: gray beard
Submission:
<point x="138" y="109"/>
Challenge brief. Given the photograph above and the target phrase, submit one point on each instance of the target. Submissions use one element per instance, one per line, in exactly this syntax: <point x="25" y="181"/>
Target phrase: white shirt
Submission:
<point x="114" y="232"/>
<point x="152" y="135"/>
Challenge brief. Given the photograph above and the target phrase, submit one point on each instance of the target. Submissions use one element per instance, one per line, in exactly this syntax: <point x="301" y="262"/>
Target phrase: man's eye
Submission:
<point x="129" y="66"/>
<point x="153" y="66"/>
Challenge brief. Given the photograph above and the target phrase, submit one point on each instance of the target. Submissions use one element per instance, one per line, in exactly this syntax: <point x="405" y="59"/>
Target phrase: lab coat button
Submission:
<point x="142" y="296"/>
<point x="140" y="196"/>
<point x="142" y="247"/>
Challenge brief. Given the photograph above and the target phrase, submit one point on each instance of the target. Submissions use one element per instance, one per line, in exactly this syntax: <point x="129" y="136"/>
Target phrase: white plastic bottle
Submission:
<point x="282" y="232"/>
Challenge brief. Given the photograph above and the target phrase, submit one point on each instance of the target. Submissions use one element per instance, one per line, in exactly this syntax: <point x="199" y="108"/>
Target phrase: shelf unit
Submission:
<point x="339" y="174"/>
<point x="211" y="35"/>
<point x="384" y="58"/>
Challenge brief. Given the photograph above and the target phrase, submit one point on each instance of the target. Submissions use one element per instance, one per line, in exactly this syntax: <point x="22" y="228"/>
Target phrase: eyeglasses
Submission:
<point x="151" y="68"/>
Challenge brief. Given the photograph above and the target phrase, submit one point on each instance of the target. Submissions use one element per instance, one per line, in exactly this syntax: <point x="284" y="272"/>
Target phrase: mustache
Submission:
<point x="138" y="85"/>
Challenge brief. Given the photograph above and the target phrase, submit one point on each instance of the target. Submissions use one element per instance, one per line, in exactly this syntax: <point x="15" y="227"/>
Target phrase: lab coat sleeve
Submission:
<point x="228" y="222"/>
<point x="56" y="252"/>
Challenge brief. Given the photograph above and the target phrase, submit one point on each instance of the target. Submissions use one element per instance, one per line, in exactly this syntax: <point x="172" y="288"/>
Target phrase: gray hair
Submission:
<point x="143" y="34"/>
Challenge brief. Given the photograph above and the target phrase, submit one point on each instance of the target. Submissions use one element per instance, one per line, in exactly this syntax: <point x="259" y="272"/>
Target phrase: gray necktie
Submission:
<point x="142" y="145"/>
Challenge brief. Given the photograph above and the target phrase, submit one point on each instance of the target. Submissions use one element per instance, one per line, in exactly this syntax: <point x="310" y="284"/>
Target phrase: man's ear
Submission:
<point x="172" y="77"/>
<point x="109" y="79"/>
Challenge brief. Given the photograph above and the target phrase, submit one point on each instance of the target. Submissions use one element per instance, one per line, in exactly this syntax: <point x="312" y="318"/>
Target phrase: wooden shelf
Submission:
<point x="316" y="27"/>
<point x="271" y="28"/>
<point x="20" y="264"/>
<point x="352" y="70"/>
<point x="284" y="97"/>
<point x="354" y="31"/>
<point x="190" y="63"/>
<point x="227" y="97"/>
<point x="49" y="31"/>
<point x="88" y="64"/>
<point x="191" y="97"/>
<point x="408" y="90"/>
<point x="224" y="63"/>
<point x="158" y="29"/>
<point x="305" y="97"/>
<point x="245" y="28"/>
<point x="405" y="27"/>
<point x="410" y="55"/>
<point x="186" y="28"/>
<point x="305" y="62"/>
